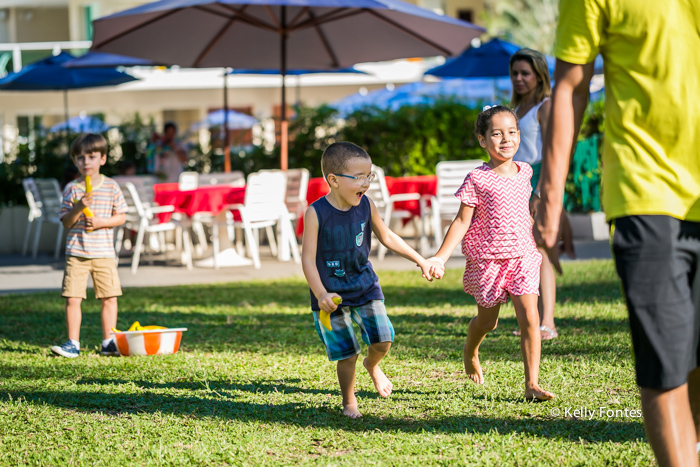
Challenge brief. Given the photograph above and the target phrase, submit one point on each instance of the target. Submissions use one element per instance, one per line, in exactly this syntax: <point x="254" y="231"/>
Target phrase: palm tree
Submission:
<point x="530" y="23"/>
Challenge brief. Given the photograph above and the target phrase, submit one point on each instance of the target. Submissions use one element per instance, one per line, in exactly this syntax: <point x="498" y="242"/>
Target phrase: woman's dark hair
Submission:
<point x="483" y="121"/>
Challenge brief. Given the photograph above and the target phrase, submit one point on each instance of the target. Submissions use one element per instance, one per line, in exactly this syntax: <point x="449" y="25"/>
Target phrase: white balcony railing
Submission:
<point x="55" y="47"/>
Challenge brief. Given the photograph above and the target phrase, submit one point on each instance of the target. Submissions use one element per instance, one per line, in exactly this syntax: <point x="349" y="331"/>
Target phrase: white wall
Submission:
<point x="118" y="104"/>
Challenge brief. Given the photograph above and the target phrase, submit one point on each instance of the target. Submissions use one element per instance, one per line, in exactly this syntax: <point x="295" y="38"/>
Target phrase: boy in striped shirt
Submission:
<point x="90" y="244"/>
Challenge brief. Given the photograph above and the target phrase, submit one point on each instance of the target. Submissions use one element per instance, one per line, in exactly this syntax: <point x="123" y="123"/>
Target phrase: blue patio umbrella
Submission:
<point x="109" y="60"/>
<point x="280" y="34"/>
<point x="81" y="124"/>
<point x="49" y="75"/>
<point x="105" y="60"/>
<point x="490" y="60"/>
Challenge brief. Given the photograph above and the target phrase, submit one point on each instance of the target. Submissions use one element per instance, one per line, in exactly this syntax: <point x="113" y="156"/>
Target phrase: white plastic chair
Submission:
<point x="235" y="178"/>
<point x="144" y="186"/>
<point x="264" y="207"/>
<point x="188" y="181"/>
<point x="44" y="199"/>
<point x="385" y="203"/>
<point x="143" y="220"/>
<point x="445" y="205"/>
<point x="297" y="187"/>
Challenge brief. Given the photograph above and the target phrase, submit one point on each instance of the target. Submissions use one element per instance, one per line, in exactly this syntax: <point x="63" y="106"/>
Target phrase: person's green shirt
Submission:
<point x="651" y="52"/>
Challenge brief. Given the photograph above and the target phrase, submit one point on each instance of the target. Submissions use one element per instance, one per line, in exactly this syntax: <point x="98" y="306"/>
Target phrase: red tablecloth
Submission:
<point x="210" y="198"/>
<point x="422" y="184"/>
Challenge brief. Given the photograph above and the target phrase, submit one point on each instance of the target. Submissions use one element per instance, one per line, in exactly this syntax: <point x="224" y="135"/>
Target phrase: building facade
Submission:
<point x="33" y="29"/>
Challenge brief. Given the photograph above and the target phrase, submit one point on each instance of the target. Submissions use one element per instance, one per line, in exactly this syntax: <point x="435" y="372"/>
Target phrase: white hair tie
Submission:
<point x="487" y="107"/>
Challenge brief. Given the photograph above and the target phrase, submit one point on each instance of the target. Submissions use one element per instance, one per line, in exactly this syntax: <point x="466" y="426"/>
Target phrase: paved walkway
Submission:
<point x="20" y="274"/>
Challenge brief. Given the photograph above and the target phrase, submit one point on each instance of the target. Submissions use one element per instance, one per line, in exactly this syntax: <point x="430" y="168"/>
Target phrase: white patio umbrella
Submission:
<point x="280" y="34"/>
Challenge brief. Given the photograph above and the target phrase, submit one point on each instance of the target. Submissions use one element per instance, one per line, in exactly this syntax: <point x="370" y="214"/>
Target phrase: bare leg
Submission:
<point x="548" y="296"/>
<point x="109" y="316"/>
<point x="73" y="317"/>
<point x="694" y="396"/>
<point x="371" y="362"/>
<point x="669" y="426"/>
<point x="346" y="378"/>
<point x="528" y="319"/>
<point x="484" y="322"/>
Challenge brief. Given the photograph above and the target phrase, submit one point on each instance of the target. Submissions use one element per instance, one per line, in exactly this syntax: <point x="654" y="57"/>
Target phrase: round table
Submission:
<point x="423" y="184"/>
<point x="210" y="199"/>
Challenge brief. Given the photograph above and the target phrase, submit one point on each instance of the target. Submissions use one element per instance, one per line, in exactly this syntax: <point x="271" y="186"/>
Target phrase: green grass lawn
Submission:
<point x="251" y="384"/>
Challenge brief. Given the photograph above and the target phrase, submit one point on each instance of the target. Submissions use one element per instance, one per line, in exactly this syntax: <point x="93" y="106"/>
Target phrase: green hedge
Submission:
<point x="405" y="142"/>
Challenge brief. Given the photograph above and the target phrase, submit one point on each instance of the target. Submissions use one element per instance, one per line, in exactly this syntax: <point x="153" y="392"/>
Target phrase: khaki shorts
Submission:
<point x="104" y="276"/>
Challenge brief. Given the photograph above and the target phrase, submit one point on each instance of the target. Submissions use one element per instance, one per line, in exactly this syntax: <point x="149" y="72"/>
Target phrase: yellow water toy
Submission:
<point x="137" y="327"/>
<point x="325" y="318"/>
<point x="88" y="189"/>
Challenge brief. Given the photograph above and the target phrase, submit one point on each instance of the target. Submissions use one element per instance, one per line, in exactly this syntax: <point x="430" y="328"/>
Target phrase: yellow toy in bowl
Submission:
<point x="148" y="340"/>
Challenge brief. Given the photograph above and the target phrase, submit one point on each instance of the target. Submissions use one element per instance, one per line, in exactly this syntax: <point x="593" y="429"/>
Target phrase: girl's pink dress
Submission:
<point x="502" y="257"/>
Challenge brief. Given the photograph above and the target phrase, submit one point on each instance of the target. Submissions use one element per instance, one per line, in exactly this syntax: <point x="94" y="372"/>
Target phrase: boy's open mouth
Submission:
<point x="359" y="194"/>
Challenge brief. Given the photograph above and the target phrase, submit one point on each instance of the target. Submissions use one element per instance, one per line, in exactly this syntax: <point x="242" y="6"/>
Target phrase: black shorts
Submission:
<point x="657" y="258"/>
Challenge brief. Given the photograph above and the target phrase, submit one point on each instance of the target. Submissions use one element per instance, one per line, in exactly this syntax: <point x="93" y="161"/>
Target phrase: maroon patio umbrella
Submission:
<point x="280" y="34"/>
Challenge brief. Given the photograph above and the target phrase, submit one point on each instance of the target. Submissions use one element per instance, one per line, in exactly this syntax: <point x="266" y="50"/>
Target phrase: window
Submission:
<point x="466" y="15"/>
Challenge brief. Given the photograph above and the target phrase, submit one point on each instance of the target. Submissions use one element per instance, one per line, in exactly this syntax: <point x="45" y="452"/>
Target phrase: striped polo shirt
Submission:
<point x="107" y="200"/>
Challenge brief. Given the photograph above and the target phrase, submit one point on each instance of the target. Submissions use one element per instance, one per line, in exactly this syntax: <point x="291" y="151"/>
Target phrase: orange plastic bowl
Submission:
<point x="153" y="342"/>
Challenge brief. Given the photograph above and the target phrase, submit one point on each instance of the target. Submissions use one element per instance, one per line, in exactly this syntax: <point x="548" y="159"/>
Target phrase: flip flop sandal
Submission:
<point x="554" y="334"/>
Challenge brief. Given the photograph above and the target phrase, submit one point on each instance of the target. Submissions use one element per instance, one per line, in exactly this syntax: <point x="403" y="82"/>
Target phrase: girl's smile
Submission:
<point x="503" y="138"/>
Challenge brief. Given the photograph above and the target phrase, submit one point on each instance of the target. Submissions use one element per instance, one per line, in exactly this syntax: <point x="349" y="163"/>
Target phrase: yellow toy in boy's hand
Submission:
<point x="325" y="317"/>
<point x="88" y="189"/>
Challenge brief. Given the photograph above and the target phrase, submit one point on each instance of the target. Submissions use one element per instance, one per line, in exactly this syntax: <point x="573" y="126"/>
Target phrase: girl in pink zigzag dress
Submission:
<point x="495" y="228"/>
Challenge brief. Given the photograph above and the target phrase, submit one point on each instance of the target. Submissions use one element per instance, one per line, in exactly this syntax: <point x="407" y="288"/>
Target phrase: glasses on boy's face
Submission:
<point x="360" y="179"/>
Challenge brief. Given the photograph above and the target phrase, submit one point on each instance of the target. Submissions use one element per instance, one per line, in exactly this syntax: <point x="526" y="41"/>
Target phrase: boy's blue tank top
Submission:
<point x="342" y="253"/>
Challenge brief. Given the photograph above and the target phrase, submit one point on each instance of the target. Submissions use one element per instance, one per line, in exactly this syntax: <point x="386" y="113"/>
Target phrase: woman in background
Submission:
<point x="530" y="100"/>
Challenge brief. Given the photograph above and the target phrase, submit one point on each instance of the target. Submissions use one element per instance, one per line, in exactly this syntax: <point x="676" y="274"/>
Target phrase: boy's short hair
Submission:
<point x="336" y="156"/>
<point x="88" y="143"/>
<point x="169" y="125"/>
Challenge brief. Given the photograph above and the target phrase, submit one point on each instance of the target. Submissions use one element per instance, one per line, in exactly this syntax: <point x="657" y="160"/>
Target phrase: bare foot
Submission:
<point x="381" y="382"/>
<point x="351" y="411"/>
<point x="538" y="394"/>
<point x="473" y="369"/>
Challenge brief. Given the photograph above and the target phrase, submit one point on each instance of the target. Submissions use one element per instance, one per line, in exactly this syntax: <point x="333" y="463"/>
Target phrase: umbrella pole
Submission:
<point x="65" y="115"/>
<point x="227" y="148"/>
<point x="283" y="70"/>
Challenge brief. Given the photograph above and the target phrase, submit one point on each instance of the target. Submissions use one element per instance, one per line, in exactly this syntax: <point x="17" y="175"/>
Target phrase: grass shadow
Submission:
<point x="229" y="407"/>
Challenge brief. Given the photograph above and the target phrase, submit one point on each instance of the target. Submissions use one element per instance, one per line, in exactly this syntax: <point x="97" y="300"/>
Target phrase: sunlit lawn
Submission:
<point x="251" y="384"/>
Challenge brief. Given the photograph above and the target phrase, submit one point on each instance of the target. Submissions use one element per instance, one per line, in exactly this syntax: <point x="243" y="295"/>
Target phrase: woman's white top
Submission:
<point x="530" y="150"/>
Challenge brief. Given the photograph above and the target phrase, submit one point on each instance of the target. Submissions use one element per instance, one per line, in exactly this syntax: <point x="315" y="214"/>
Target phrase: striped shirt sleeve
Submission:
<point x="467" y="192"/>
<point x="67" y="203"/>
<point x="119" y="202"/>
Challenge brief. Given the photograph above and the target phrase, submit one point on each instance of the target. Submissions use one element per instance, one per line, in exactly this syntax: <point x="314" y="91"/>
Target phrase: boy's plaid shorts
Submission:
<point x="341" y="343"/>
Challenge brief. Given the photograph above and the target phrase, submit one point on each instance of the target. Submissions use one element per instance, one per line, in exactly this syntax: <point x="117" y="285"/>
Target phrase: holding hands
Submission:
<point x="435" y="268"/>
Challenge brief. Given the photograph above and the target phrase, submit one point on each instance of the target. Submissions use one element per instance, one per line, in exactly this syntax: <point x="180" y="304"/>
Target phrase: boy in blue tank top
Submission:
<point x="335" y="259"/>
